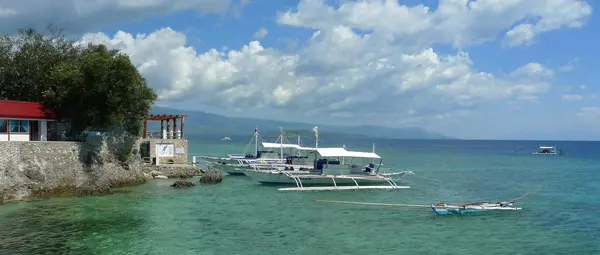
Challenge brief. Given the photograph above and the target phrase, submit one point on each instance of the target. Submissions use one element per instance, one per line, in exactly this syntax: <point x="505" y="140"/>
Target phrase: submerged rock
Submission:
<point x="211" y="176"/>
<point x="183" y="184"/>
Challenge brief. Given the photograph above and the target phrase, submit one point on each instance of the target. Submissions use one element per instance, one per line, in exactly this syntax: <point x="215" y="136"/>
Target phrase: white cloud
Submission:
<point x="6" y="12"/>
<point x="373" y="59"/>
<point x="458" y="22"/>
<point x="339" y="73"/>
<point x="569" y="66"/>
<point x="76" y="16"/>
<point x="261" y="33"/>
<point x="572" y="97"/>
<point x="522" y="34"/>
<point x="532" y="70"/>
<point x="547" y="15"/>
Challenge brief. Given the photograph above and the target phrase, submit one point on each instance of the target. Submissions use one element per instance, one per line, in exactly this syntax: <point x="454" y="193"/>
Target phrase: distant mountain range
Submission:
<point x="199" y="122"/>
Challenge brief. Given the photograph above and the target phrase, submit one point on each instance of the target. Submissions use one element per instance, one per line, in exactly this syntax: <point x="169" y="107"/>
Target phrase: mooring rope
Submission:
<point x="528" y="193"/>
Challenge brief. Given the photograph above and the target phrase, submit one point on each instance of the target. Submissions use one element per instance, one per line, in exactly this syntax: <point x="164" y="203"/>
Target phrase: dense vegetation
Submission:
<point x="90" y="86"/>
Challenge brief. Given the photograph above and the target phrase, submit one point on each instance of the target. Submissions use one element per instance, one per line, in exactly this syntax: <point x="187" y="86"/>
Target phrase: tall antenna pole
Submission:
<point x="281" y="142"/>
<point x="373" y="159"/>
<point x="316" y="130"/>
<point x="344" y="158"/>
<point x="256" y="142"/>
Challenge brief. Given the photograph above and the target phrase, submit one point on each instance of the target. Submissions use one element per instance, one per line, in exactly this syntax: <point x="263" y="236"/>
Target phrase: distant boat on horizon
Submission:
<point x="226" y="138"/>
<point x="548" y="150"/>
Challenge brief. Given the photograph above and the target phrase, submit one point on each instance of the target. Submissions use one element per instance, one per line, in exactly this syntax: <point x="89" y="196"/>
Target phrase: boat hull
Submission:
<point x="469" y="210"/>
<point x="237" y="169"/>
<point x="271" y="178"/>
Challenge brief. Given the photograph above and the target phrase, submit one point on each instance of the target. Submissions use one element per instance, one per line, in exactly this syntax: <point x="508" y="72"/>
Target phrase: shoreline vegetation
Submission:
<point x="90" y="89"/>
<point x="88" y="86"/>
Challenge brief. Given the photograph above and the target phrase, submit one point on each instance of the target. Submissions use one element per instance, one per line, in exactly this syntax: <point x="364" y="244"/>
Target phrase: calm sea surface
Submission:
<point x="240" y="216"/>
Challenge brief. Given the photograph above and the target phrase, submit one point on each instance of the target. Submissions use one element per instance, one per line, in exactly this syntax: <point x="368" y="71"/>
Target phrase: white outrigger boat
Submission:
<point x="547" y="150"/>
<point x="453" y="209"/>
<point x="334" y="167"/>
<point x="267" y="158"/>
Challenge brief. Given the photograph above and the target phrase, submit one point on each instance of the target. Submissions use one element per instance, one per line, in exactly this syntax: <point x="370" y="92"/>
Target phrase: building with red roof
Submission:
<point x="24" y="121"/>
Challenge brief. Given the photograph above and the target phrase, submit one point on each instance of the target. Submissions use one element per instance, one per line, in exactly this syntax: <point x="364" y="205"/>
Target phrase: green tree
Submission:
<point x="93" y="87"/>
<point x="26" y="58"/>
<point x="106" y="89"/>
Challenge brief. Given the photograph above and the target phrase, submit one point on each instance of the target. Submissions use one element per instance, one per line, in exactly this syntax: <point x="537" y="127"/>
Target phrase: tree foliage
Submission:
<point x="91" y="86"/>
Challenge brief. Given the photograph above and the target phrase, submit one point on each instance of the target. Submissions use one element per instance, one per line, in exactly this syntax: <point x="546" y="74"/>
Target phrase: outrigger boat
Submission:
<point x="453" y="209"/>
<point x="444" y="209"/>
<point x="547" y="150"/>
<point x="263" y="159"/>
<point x="333" y="167"/>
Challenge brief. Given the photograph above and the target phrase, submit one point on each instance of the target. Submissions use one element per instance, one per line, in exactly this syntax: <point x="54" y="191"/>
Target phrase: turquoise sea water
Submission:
<point x="240" y="216"/>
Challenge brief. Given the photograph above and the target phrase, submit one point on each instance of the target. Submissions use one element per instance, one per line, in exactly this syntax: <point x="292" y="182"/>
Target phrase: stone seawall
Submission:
<point x="32" y="169"/>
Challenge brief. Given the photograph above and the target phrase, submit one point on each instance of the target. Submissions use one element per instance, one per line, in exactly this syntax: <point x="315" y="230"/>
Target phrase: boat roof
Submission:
<point x="307" y="149"/>
<point x="546" y="147"/>
<point x="325" y="152"/>
<point x="279" y="145"/>
<point x="341" y="152"/>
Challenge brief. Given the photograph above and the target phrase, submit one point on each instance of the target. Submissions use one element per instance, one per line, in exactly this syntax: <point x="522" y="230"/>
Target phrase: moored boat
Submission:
<point x="547" y="150"/>
<point x="335" y="167"/>
<point x="444" y="209"/>
<point x="278" y="155"/>
<point x="452" y="209"/>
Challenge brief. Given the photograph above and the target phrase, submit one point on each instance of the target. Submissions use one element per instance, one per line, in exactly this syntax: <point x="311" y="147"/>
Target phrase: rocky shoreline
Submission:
<point x="207" y="175"/>
<point x="171" y="171"/>
<point x="30" y="170"/>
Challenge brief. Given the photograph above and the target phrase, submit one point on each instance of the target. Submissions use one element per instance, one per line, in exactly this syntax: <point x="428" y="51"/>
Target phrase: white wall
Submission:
<point x="19" y="137"/>
<point x="42" y="126"/>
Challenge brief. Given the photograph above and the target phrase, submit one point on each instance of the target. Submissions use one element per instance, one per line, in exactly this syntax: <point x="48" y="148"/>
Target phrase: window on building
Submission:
<point x="3" y="126"/>
<point x="19" y="126"/>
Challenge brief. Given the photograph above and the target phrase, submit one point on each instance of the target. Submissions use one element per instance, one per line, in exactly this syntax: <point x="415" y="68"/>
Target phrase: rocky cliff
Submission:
<point x="33" y="169"/>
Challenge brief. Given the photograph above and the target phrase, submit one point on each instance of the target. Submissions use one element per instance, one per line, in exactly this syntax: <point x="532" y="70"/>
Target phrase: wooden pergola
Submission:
<point x="168" y="118"/>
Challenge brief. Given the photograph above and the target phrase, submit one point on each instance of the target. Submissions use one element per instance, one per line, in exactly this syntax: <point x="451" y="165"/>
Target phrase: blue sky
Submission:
<point x="522" y="69"/>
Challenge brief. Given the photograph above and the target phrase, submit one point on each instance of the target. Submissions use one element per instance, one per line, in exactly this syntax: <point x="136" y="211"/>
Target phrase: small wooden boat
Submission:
<point x="444" y="209"/>
<point x="453" y="209"/>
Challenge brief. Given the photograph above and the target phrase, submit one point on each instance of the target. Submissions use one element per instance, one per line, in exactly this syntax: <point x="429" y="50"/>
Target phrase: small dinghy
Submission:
<point x="446" y="209"/>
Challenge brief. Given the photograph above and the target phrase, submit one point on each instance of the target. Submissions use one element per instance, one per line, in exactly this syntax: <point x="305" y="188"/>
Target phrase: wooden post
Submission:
<point x="162" y="126"/>
<point x="145" y="128"/>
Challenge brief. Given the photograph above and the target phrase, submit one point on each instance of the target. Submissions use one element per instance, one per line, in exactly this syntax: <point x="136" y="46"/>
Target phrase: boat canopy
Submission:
<point x="307" y="149"/>
<point x="279" y="145"/>
<point x="341" y="152"/>
<point x="546" y="147"/>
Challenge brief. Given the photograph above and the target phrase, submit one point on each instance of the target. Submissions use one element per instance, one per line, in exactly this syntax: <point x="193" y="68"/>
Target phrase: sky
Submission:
<point x="472" y="69"/>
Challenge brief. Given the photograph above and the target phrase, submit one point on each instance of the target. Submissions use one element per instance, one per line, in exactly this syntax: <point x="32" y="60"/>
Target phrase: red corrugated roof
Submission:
<point x="24" y="110"/>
